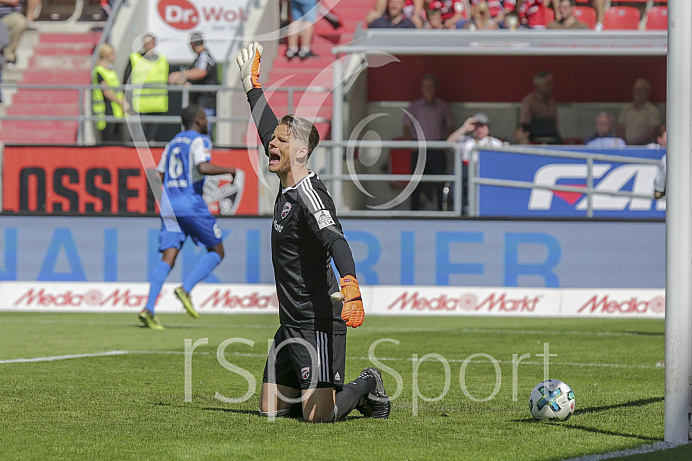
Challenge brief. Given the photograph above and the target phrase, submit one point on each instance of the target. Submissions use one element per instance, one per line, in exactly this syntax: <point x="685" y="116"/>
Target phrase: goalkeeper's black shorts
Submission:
<point x="305" y="359"/>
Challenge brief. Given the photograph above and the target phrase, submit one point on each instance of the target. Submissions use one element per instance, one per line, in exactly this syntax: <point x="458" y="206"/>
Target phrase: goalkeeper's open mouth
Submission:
<point x="274" y="158"/>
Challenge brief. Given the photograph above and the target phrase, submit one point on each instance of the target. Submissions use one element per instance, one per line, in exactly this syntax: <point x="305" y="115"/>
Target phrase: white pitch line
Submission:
<point x="383" y="359"/>
<point x="64" y="357"/>
<point x="658" y="446"/>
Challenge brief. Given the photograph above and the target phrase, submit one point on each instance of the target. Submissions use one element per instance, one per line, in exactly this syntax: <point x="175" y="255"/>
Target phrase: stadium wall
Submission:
<point x="407" y="252"/>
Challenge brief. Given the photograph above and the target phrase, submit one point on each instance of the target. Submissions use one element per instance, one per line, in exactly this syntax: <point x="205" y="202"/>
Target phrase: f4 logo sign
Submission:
<point x="180" y="14"/>
<point x="609" y="180"/>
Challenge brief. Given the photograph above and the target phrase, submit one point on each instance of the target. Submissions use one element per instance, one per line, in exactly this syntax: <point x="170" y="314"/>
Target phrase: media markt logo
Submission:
<point x="494" y="302"/>
<point x="634" y="305"/>
<point x="70" y="298"/>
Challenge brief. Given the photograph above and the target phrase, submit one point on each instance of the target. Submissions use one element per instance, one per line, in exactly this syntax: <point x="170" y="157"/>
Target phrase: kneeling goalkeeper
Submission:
<point x="306" y="364"/>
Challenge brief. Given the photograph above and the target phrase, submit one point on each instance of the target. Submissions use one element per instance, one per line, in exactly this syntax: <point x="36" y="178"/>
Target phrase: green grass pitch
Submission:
<point x="125" y="393"/>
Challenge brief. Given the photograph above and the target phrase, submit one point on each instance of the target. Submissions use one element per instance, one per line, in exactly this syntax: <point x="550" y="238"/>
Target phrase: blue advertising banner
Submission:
<point x="608" y="176"/>
<point x="498" y="253"/>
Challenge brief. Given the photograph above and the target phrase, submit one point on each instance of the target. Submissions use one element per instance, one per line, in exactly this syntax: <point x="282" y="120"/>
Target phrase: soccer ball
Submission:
<point x="551" y="399"/>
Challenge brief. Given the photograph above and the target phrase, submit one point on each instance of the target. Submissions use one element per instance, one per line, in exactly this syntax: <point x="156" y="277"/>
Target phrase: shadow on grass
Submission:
<point x="585" y="411"/>
<point x="190" y="407"/>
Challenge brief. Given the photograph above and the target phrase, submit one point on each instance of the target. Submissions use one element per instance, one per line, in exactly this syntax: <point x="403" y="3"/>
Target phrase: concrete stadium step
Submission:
<point x="308" y="112"/>
<point x="28" y="96"/>
<point x="63" y="38"/>
<point x="69" y="49"/>
<point x="303" y="98"/>
<point x="40" y="125"/>
<point x="42" y="76"/>
<point x="302" y="79"/>
<point x="57" y="62"/>
<point x="43" y="109"/>
<point x="30" y="136"/>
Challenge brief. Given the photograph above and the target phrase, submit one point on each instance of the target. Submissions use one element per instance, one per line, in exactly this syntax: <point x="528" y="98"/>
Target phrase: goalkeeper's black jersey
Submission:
<point x="304" y="227"/>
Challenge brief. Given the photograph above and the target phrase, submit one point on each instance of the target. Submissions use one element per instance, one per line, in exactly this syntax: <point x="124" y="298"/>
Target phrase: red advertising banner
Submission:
<point x="112" y="180"/>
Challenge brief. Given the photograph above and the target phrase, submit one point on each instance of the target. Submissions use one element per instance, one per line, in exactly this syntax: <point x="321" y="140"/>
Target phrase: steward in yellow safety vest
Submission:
<point x="108" y="99"/>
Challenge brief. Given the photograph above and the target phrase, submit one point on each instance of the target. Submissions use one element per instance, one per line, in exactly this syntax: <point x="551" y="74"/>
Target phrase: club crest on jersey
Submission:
<point x="305" y="372"/>
<point x="286" y="210"/>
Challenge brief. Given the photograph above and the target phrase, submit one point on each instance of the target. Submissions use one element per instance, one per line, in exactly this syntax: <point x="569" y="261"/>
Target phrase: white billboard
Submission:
<point x="172" y="21"/>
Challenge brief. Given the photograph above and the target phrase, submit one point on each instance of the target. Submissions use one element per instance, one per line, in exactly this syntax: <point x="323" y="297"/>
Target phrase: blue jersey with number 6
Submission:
<point x="182" y="182"/>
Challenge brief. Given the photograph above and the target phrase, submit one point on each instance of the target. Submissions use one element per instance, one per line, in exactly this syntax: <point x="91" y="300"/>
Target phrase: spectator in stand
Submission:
<point x="394" y="18"/>
<point x="413" y="10"/>
<point x="567" y="19"/>
<point x="301" y="29"/>
<point x="531" y="14"/>
<point x="146" y="69"/>
<point x="434" y="118"/>
<point x="202" y="72"/>
<point x="12" y="15"/>
<point x="481" y="19"/>
<point x="539" y="110"/>
<point x="325" y="8"/>
<point x="479" y="128"/>
<point x="604" y="138"/>
<point x="598" y="5"/>
<point x="522" y="134"/>
<point x="640" y="119"/>
<point x="453" y="11"/>
<point x="497" y="9"/>
<point x="31" y="7"/>
<point x="434" y="19"/>
<point x="108" y="100"/>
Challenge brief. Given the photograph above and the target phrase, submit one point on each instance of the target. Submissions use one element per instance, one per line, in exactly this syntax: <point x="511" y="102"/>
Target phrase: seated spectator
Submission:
<point x="497" y="9"/>
<point x="475" y="132"/>
<point x="539" y="110"/>
<point x="452" y="11"/>
<point x="31" y="7"/>
<point x="639" y="120"/>
<point x="12" y="15"/>
<point x="531" y="14"/>
<point x="604" y="138"/>
<point x="522" y="134"/>
<point x="481" y="19"/>
<point x="567" y="19"/>
<point x="597" y="5"/>
<point x="394" y="18"/>
<point x="413" y="9"/>
<point x="434" y="19"/>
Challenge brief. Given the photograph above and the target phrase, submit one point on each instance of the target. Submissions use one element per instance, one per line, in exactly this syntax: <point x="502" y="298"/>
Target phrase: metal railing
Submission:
<point x="474" y="181"/>
<point x="83" y="100"/>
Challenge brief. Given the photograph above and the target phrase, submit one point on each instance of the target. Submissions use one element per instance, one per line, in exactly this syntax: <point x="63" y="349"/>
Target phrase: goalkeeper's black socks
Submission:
<point x="348" y="397"/>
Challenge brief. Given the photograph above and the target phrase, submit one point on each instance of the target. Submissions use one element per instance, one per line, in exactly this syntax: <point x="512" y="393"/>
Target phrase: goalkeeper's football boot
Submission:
<point x="184" y="298"/>
<point x="377" y="404"/>
<point x="150" y="320"/>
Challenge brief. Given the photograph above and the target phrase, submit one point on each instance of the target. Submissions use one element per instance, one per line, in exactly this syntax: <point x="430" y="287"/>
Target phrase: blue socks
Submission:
<point x="156" y="280"/>
<point x="203" y="268"/>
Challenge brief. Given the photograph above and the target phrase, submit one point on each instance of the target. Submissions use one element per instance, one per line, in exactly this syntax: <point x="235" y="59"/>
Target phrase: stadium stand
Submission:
<point x="621" y="18"/>
<point x="58" y="52"/>
<point x="586" y="14"/>
<point x="315" y="71"/>
<point x="657" y="18"/>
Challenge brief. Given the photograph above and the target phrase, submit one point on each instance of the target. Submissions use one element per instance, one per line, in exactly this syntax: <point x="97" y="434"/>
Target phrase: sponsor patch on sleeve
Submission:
<point x="324" y="219"/>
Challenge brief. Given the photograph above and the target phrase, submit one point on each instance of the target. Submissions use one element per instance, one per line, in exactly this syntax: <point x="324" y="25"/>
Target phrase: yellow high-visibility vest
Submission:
<point x="146" y="72"/>
<point x="98" y="103"/>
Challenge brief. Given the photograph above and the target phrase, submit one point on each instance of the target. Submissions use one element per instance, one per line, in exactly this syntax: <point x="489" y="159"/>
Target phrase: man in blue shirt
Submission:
<point x="184" y="164"/>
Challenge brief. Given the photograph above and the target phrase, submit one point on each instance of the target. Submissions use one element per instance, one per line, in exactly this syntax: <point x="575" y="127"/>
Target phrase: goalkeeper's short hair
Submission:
<point x="303" y="130"/>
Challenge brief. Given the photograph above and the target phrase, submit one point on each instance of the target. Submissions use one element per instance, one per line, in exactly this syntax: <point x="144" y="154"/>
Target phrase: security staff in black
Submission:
<point x="308" y="356"/>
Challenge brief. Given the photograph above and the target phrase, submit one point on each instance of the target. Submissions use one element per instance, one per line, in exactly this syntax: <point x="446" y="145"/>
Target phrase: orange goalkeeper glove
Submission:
<point x="353" y="311"/>
<point x="249" y="62"/>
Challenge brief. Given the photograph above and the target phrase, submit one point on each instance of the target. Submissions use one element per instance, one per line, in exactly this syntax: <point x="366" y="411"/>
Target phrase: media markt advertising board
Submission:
<point x="172" y="21"/>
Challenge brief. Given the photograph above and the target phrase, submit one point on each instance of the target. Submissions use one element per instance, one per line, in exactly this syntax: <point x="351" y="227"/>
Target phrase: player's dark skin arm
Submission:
<point x="210" y="169"/>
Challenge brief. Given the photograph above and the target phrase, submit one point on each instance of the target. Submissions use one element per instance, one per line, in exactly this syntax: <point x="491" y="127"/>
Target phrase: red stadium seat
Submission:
<point x="586" y="14"/>
<point x="657" y="18"/>
<point x="621" y="18"/>
<point x="549" y="14"/>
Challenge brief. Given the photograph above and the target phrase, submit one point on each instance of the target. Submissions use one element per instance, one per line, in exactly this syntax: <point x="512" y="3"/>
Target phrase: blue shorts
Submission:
<point x="305" y="10"/>
<point x="202" y="229"/>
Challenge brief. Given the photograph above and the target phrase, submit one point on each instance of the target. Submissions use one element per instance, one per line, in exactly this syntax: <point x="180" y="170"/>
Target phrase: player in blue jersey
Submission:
<point x="184" y="164"/>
